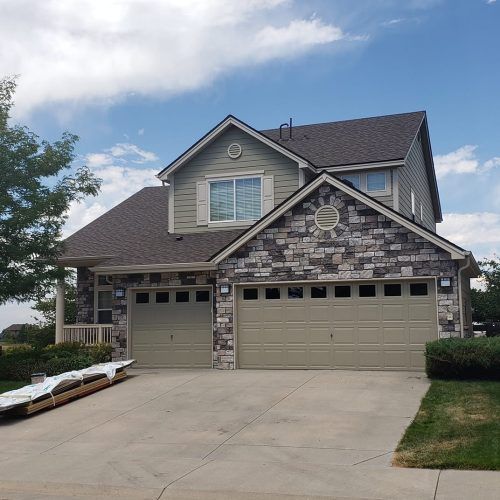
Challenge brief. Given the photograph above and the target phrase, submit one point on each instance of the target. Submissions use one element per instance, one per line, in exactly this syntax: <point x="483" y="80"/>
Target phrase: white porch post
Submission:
<point x="59" y="311"/>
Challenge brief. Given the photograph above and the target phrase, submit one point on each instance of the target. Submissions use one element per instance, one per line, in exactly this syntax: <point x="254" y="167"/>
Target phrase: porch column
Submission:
<point x="59" y="311"/>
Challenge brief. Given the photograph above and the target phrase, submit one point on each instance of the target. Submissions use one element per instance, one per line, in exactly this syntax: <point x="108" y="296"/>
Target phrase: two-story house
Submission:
<point x="301" y="247"/>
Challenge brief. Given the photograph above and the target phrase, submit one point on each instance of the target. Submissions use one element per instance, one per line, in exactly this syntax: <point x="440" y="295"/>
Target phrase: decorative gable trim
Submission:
<point x="456" y="252"/>
<point x="219" y="129"/>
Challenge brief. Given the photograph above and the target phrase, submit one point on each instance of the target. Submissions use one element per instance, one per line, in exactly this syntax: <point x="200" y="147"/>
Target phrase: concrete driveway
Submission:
<point x="192" y="434"/>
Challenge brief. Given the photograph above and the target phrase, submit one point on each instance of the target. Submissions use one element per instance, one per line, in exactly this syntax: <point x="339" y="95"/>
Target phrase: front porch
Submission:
<point x="88" y="334"/>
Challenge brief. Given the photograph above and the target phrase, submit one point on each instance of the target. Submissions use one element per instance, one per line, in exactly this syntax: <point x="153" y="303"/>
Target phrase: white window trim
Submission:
<point x="233" y="178"/>
<point x="412" y="201"/>
<point x="100" y="288"/>
<point x="421" y="211"/>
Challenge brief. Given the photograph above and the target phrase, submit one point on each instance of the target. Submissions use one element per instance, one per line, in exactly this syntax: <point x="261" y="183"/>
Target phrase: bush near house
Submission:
<point x="474" y="358"/>
<point x="20" y="362"/>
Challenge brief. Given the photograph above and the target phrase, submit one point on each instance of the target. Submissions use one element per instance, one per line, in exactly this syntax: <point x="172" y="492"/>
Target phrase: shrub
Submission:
<point x="20" y="362"/>
<point x="100" y="353"/>
<point x="475" y="358"/>
<point x="55" y="366"/>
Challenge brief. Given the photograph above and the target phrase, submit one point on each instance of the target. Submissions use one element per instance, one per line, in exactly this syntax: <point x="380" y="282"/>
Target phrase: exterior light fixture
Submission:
<point x="445" y="282"/>
<point x="225" y="288"/>
<point x="120" y="293"/>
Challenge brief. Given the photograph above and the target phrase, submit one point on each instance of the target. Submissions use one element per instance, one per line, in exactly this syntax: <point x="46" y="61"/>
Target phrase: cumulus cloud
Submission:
<point x="121" y="177"/>
<point x="476" y="231"/>
<point x="463" y="160"/>
<point x="95" y="51"/>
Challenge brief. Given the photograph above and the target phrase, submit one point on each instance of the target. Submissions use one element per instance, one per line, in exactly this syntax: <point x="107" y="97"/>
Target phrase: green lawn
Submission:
<point x="456" y="427"/>
<point x="9" y="385"/>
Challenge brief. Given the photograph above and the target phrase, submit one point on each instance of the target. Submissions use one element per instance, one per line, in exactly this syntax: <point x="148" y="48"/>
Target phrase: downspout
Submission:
<point x="460" y="296"/>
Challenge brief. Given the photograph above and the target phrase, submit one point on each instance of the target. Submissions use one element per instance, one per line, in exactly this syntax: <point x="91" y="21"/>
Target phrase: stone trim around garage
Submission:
<point x="364" y="245"/>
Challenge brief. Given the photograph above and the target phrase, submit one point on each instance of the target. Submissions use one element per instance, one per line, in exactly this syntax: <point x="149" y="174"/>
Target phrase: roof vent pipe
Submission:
<point x="289" y="125"/>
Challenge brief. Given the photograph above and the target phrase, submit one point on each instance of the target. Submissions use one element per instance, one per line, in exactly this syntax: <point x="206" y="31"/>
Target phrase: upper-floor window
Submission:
<point x="354" y="179"/>
<point x="237" y="199"/>
<point x="376" y="181"/>
<point x="371" y="182"/>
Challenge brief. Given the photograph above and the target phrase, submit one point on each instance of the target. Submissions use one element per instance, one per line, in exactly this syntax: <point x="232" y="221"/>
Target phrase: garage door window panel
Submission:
<point x="273" y="293"/>
<point x="295" y="292"/>
<point x="367" y="291"/>
<point x="342" y="291"/>
<point x="181" y="297"/>
<point x="250" y="293"/>
<point x="202" y="296"/>
<point x="392" y="290"/>
<point x="142" y="298"/>
<point x="419" y="289"/>
<point x="318" y="292"/>
<point x="162" y="297"/>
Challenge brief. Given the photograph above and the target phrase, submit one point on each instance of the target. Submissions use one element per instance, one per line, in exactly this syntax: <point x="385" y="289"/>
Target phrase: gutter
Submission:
<point x="155" y="268"/>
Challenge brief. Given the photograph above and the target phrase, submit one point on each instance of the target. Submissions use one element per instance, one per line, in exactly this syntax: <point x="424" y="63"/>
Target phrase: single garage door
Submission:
<point x="365" y="325"/>
<point x="172" y="328"/>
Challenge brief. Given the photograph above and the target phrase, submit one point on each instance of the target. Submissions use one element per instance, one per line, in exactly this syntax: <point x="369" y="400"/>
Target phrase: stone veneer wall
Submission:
<point x="152" y="280"/>
<point x="363" y="245"/>
<point x="84" y="295"/>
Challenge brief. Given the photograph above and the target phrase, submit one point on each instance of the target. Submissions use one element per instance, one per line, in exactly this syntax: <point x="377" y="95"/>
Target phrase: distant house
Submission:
<point x="12" y="331"/>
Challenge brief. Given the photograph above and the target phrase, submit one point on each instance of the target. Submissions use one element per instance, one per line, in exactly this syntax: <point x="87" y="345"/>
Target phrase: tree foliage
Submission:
<point x="486" y="303"/>
<point x="37" y="186"/>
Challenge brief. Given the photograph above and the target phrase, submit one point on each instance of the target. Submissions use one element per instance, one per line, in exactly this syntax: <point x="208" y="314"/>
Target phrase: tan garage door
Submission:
<point x="381" y="325"/>
<point x="172" y="328"/>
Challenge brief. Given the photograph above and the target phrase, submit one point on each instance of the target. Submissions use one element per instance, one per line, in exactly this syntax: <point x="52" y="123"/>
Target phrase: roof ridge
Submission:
<point x="350" y="120"/>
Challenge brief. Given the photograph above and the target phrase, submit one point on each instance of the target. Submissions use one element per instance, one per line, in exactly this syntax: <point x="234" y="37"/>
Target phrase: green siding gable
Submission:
<point x="214" y="160"/>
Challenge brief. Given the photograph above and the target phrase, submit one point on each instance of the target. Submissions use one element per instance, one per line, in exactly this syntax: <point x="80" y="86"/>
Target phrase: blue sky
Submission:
<point x="139" y="86"/>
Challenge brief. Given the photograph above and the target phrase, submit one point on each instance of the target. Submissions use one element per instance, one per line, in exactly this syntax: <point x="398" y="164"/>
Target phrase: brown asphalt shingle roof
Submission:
<point x="136" y="232"/>
<point x="350" y="142"/>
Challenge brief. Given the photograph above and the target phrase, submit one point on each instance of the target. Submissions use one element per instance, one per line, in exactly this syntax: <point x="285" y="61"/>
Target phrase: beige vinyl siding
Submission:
<point x="213" y="160"/>
<point x="386" y="199"/>
<point x="414" y="176"/>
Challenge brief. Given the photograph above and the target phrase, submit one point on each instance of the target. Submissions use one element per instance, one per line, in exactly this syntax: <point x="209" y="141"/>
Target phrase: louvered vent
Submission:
<point x="326" y="217"/>
<point x="234" y="151"/>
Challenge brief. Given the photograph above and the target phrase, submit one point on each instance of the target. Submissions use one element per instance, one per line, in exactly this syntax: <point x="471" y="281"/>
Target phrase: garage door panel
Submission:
<point x="397" y="335"/>
<point x="420" y="335"/>
<point x="396" y="359"/>
<point x="394" y="312"/>
<point x="369" y="335"/>
<point x="381" y="332"/>
<point x="369" y="312"/>
<point x="173" y="334"/>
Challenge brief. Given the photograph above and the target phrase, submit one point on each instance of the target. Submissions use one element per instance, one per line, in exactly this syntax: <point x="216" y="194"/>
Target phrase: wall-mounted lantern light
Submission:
<point x="120" y="293"/>
<point x="445" y="282"/>
<point x="225" y="288"/>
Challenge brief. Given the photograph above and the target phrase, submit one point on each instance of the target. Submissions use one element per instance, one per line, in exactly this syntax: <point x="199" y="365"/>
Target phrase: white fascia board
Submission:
<point x="216" y="132"/>
<point x="363" y="166"/>
<point x="454" y="251"/>
<point x="155" y="268"/>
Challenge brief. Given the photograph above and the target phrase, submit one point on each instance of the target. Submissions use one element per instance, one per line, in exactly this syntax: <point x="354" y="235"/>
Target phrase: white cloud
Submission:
<point x="140" y="131"/>
<point x="117" y="167"/>
<point x="463" y="161"/>
<point x="476" y="231"/>
<point x="392" y="22"/>
<point x="98" y="51"/>
<point x="490" y="1"/>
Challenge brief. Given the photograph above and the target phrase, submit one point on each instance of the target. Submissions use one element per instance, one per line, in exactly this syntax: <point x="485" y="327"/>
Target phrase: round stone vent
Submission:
<point x="234" y="151"/>
<point x="326" y="217"/>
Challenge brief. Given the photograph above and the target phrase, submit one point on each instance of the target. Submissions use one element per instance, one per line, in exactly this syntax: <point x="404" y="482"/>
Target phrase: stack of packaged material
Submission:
<point x="60" y="389"/>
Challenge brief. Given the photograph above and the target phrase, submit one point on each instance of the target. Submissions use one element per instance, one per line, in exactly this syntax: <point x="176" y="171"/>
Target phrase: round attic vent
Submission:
<point x="234" y="151"/>
<point x="326" y="217"/>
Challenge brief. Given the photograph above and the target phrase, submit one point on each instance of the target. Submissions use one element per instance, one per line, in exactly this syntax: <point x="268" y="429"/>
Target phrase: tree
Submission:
<point x="37" y="187"/>
<point x="486" y="303"/>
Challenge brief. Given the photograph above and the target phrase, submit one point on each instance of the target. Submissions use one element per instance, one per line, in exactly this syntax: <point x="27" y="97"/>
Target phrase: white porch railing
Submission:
<point x="87" y="334"/>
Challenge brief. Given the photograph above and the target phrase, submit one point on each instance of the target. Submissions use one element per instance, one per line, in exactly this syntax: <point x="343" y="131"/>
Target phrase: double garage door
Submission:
<point x="382" y="325"/>
<point x="172" y="328"/>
